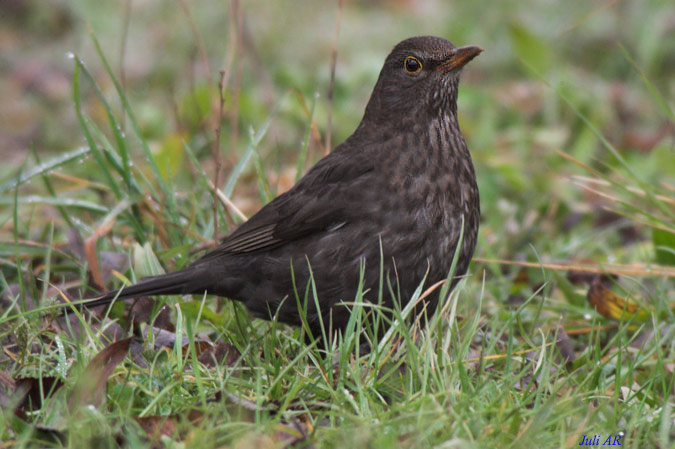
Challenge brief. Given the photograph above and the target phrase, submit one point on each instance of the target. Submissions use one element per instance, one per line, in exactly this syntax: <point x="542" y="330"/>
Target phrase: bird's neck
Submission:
<point x="378" y="128"/>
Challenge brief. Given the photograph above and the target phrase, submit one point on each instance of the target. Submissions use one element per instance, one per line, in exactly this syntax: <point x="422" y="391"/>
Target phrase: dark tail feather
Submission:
<point x="184" y="281"/>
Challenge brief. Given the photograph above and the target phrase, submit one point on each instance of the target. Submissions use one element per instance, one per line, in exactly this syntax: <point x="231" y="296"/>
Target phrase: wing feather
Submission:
<point x="316" y="203"/>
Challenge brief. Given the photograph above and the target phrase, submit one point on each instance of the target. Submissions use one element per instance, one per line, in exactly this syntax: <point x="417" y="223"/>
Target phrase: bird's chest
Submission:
<point x="432" y="201"/>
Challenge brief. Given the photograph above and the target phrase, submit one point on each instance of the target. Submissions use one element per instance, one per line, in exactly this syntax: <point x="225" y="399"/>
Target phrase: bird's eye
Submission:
<point x="412" y="65"/>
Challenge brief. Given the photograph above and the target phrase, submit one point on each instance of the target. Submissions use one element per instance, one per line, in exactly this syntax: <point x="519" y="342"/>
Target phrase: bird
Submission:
<point x="383" y="212"/>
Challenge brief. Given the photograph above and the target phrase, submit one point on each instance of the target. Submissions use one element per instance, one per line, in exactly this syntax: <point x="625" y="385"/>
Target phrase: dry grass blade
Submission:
<point x="226" y="201"/>
<point x="635" y="190"/>
<point x="92" y="256"/>
<point x="316" y="134"/>
<point x="611" y="268"/>
<point x="78" y="182"/>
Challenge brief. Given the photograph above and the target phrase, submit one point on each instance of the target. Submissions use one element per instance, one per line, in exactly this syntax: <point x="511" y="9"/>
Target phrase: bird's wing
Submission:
<point x="316" y="203"/>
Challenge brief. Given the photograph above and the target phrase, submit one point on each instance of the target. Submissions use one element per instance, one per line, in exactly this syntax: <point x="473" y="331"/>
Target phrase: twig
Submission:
<point x="215" y="150"/>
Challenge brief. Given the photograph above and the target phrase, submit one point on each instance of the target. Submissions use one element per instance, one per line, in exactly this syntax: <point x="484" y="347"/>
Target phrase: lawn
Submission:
<point x="118" y="118"/>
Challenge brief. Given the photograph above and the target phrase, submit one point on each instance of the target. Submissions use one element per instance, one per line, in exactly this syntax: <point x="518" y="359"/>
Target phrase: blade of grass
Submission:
<point x="251" y="149"/>
<point x="204" y="180"/>
<point x="15" y="233"/>
<point x="305" y="141"/>
<point x="50" y="189"/>
<point x="116" y="161"/>
<point x="168" y="195"/>
<point x="55" y="201"/>
<point x="95" y="150"/>
<point x="650" y="87"/>
<point x="263" y="184"/>
<point x="48" y="262"/>
<point x="45" y="168"/>
<point x="114" y="126"/>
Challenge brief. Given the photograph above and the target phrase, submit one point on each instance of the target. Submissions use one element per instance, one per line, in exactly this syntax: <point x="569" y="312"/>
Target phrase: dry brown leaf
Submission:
<point x="608" y="303"/>
<point x="580" y="277"/>
<point x="158" y="426"/>
<point x="214" y="355"/>
<point x="201" y="345"/>
<point x="144" y="310"/>
<point x="565" y="346"/>
<point x="7" y="380"/>
<point x="291" y="434"/>
<point x="162" y="338"/>
<point x="92" y="255"/>
<point x="92" y="382"/>
<point x="28" y="388"/>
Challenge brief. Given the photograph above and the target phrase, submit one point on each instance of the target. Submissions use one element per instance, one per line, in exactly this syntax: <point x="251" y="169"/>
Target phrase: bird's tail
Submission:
<point x="184" y="281"/>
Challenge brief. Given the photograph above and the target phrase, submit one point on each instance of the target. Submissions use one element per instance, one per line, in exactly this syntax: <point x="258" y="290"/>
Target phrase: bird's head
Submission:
<point x="419" y="77"/>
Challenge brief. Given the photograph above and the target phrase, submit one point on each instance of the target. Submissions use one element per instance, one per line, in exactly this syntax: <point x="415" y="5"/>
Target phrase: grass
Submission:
<point x="569" y="119"/>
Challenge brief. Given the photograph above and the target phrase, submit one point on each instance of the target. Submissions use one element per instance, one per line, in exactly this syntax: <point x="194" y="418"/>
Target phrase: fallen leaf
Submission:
<point x="161" y="337"/>
<point x="291" y="434"/>
<point x="580" y="277"/>
<point x="564" y="345"/>
<point x="110" y="261"/>
<point x="92" y="382"/>
<point x="31" y="391"/>
<point x="201" y="345"/>
<point x="145" y="310"/>
<point x="92" y="255"/>
<point x="157" y="426"/>
<point x="7" y="380"/>
<point x="609" y="304"/>
<point x="214" y="355"/>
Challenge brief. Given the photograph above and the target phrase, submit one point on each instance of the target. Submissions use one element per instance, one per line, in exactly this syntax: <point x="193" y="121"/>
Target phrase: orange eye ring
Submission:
<point x="412" y="65"/>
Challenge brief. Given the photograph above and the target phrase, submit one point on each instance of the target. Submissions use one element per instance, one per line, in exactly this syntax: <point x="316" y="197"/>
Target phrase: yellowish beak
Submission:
<point x="461" y="57"/>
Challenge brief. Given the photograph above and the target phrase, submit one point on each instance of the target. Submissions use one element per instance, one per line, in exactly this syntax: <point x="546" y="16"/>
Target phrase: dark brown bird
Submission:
<point x="395" y="195"/>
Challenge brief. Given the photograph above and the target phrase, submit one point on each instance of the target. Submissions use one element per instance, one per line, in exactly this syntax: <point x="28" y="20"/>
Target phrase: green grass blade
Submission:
<point x="50" y="189"/>
<point x="255" y="140"/>
<point x="204" y="181"/>
<point x="95" y="150"/>
<point x="305" y="140"/>
<point x="45" y="168"/>
<point x="650" y="87"/>
<point x="168" y="195"/>
<point x="56" y="201"/>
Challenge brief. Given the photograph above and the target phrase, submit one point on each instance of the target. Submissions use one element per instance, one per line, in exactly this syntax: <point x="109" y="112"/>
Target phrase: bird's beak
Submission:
<point x="461" y="57"/>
